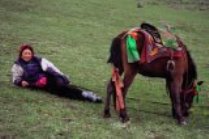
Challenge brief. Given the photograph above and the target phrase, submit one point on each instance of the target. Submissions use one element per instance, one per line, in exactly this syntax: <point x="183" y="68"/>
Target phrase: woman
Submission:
<point x="30" y="71"/>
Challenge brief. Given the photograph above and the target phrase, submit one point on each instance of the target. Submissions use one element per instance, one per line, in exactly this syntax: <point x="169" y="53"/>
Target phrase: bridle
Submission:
<point x="193" y="89"/>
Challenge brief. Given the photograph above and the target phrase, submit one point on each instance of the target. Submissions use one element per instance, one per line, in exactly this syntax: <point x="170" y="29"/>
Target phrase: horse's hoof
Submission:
<point x="125" y="120"/>
<point x="106" y="114"/>
<point x="126" y="124"/>
<point x="183" y="123"/>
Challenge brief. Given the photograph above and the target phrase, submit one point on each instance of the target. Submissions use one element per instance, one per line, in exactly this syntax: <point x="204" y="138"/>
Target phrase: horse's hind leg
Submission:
<point x="110" y="90"/>
<point x="130" y="73"/>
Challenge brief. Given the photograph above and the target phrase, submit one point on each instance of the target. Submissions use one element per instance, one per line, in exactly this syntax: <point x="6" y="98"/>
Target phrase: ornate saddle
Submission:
<point x="153" y="47"/>
<point x="153" y="31"/>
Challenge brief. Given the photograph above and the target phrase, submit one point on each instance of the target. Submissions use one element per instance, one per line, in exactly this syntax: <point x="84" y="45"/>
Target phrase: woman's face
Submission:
<point x="27" y="55"/>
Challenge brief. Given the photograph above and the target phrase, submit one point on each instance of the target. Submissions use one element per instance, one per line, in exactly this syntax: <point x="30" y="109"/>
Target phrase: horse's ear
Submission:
<point x="200" y="82"/>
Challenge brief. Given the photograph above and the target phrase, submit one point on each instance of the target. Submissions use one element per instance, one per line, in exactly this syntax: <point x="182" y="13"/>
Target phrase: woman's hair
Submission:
<point x="23" y="47"/>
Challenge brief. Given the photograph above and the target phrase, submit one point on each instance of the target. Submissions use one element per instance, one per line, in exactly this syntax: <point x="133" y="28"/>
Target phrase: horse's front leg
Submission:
<point x="184" y="109"/>
<point x="128" y="79"/>
<point x="175" y="89"/>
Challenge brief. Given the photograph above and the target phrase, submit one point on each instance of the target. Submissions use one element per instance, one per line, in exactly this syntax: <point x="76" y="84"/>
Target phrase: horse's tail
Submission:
<point x="115" y="59"/>
<point x="115" y="53"/>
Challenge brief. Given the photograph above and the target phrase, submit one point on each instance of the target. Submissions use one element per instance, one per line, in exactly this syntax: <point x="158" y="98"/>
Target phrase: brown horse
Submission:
<point x="180" y="75"/>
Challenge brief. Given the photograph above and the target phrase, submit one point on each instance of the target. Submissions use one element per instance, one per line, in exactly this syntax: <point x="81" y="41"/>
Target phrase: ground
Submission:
<point x="76" y="36"/>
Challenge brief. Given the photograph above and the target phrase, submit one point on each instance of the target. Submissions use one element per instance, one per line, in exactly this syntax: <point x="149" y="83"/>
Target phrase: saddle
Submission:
<point x="153" y="47"/>
<point x="153" y="31"/>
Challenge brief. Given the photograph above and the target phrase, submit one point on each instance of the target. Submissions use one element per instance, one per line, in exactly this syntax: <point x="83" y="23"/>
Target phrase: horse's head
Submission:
<point x="189" y="94"/>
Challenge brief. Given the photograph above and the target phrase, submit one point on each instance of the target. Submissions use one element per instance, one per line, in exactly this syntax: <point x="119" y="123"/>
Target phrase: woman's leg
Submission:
<point x="73" y="92"/>
<point x="58" y="87"/>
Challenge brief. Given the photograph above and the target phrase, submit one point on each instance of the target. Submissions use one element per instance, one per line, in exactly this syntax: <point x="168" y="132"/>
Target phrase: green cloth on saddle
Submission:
<point x="132" y="52"/>
<point x="171" y="43"/>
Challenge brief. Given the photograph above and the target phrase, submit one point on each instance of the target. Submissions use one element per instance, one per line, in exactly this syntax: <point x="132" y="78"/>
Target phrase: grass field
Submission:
<point x="76" y="36"/>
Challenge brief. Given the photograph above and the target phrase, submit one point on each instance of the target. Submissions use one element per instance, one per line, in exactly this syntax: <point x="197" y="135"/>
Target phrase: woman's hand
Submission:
<point x="24" y="84"/>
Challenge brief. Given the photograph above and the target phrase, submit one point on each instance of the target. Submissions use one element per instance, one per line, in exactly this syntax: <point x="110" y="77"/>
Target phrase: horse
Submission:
<point x="180" y="75"/>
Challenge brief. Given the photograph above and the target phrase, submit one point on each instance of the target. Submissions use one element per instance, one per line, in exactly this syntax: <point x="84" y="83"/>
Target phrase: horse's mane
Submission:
<point x="192" y="70"/>
<point x="191" y="73"/>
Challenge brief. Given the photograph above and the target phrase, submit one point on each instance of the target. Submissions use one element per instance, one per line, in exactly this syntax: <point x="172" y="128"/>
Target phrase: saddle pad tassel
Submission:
<point x="118" y="88"/>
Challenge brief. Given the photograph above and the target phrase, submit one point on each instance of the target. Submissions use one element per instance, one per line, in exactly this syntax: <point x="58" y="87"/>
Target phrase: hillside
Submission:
<point x="76" y="36"/>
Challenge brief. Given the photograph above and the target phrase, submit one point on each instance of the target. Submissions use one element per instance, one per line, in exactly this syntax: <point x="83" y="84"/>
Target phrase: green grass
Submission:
<point x="76" y="35"/>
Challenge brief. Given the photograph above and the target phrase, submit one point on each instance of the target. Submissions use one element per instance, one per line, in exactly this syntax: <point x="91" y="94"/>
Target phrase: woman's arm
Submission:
<point x="50" y="68"/>
<point x="47" y="65"/>
<point x="17" y="73"/>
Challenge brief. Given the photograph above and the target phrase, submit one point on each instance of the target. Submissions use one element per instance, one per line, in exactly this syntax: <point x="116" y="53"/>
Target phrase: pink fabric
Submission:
<point x="41" y="82"/>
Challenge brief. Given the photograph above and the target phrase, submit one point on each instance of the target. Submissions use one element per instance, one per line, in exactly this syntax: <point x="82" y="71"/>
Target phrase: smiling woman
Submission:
<point x="27" y="54"/>
<point x="30" y="71"/>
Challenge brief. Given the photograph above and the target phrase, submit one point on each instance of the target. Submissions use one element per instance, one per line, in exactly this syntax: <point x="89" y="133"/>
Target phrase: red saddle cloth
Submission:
<point x="152" y="50"/>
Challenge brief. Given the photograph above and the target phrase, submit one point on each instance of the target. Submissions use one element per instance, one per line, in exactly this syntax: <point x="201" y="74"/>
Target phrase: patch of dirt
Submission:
<point x="201" y="5"/>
